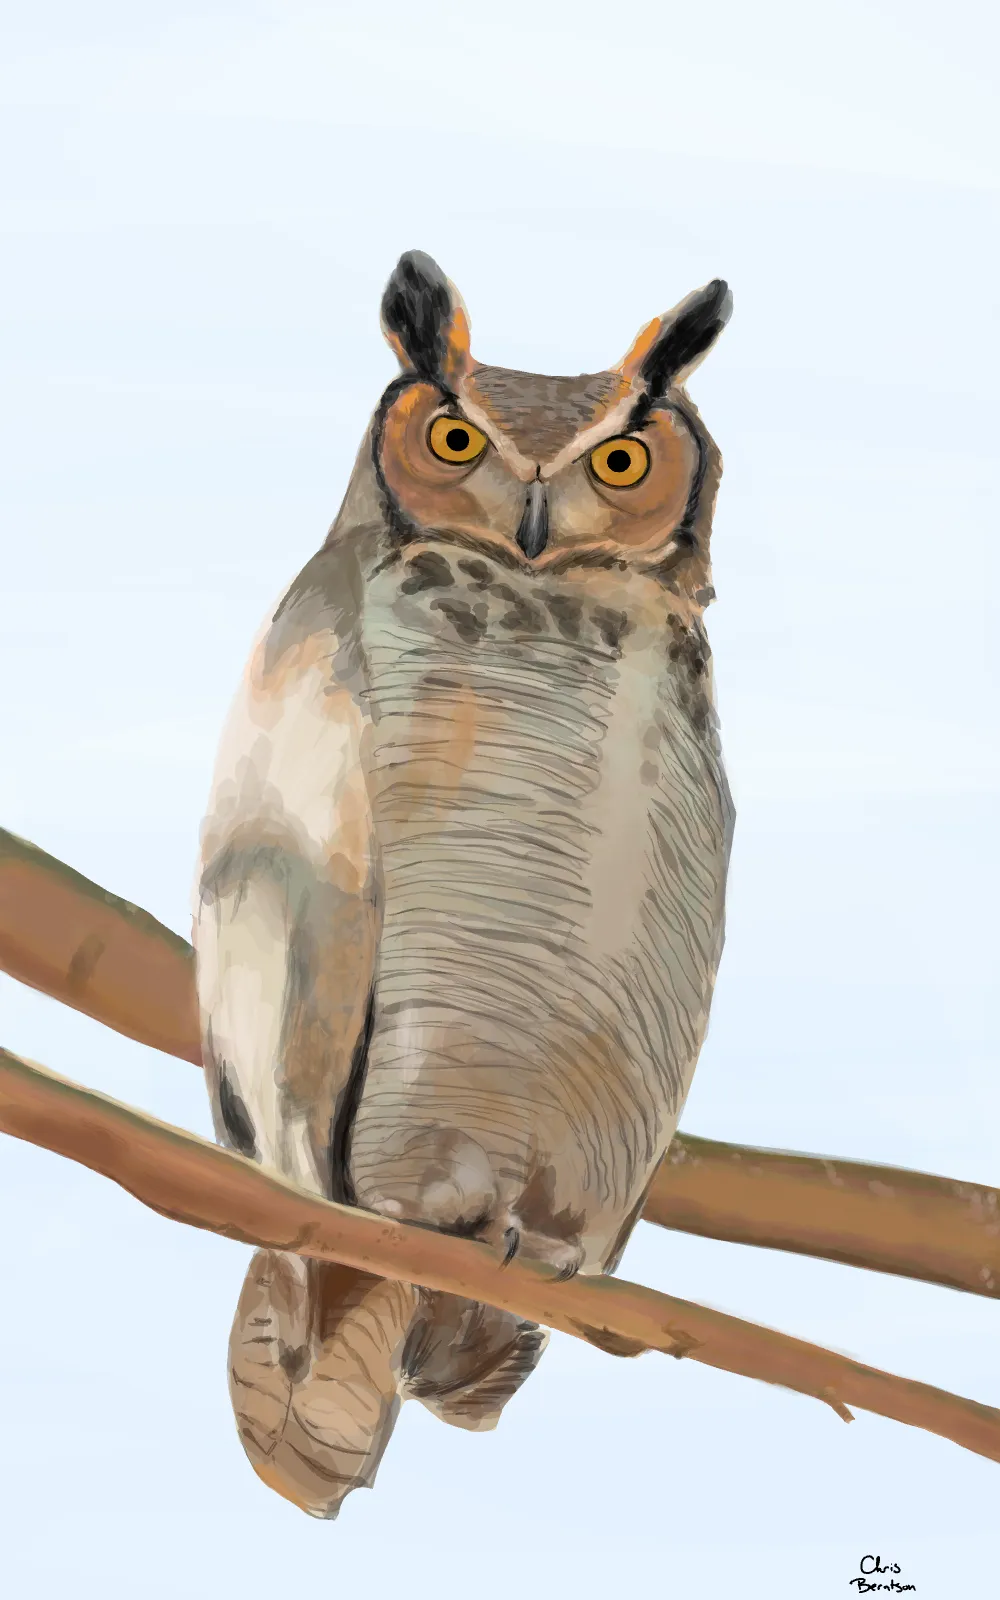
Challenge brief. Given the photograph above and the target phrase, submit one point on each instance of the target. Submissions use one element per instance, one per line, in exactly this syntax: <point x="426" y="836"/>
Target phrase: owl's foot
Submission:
<point x="442" y="1178"/>
<point x="511" y="1240"/>
<point x="439" y="1177"/>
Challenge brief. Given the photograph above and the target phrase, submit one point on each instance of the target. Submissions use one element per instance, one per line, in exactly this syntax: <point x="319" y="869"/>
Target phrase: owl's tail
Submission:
<point x="321" y="1357"/>
<point x="315" y="1366"/>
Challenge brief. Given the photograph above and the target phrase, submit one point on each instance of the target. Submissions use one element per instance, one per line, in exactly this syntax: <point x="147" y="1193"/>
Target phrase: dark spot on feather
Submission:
<point x="469" y="622"/>
<point x="478" y="571"/>
<point x="690" y="648"/>
<point x="427" y="571"/>
<point x="611" y="625"/>
<point x="567" y="614"/>
<point x="294" y="1361"/>
<point x="523" y="615"/>
<point x="236" y="1118"/>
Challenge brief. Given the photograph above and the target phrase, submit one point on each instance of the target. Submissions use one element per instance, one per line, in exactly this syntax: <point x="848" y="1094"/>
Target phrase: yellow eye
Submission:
<point x="620" y="462"/>
<point x="454" y="439"/>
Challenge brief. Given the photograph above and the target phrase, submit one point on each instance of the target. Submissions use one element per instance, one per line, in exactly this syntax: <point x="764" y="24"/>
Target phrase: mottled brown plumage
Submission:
<point x="461" y="900"/>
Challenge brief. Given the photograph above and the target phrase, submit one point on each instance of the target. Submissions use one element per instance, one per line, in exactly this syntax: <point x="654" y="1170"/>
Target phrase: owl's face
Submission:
<point x="546" y="472"/>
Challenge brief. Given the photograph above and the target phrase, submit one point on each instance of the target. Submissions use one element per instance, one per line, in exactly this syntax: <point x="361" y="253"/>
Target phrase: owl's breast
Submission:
<point x="552" y="824"/>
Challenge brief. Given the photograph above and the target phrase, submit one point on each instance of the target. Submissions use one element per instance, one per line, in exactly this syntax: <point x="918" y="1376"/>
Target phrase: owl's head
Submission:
<point x="608" y="468"/>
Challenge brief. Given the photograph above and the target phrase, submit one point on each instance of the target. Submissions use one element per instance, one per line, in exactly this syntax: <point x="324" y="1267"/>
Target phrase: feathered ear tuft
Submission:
<point x="670" y="347"/>
<point x="425" y="322"/>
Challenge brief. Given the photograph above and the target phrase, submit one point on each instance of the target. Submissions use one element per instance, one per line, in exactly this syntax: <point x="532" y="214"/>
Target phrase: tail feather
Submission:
<point x="315" y="1361"/>
<point x="321" y="1357"/>
<point x="464" y="1360"/>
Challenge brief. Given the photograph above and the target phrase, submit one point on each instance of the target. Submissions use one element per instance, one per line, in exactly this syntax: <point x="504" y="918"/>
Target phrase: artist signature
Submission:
<point x="872" y="1574"/>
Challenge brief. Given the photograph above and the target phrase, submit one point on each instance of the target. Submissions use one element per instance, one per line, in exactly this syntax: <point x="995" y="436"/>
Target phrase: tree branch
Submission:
<point x="64" y="935"/>
<point x="68" y="937"/>
<point x="192" y="1181"/>
<point x="887" y="1219"/>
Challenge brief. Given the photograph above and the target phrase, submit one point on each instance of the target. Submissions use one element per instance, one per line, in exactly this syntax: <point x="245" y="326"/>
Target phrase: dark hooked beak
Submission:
<point x="533" y="534"/>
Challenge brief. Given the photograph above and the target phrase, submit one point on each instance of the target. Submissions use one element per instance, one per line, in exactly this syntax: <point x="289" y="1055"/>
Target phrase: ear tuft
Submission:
<point x="424" y="320"/>
<point x="665" y="352"/>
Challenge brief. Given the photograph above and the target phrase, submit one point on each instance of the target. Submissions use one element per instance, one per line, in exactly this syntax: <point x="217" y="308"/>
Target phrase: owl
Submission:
<point x="460" y="900"/>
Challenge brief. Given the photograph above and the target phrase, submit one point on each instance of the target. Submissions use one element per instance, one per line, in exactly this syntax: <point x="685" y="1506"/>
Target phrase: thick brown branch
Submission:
<point x="73" y="940"/>
<point x="884" y="1218"/>
<point x="192" y="1181"/>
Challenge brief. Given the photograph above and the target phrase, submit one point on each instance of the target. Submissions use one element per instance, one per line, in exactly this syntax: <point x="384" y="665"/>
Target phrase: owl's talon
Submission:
<point x="512" y="1241"/>
<point x="570" y="1270"/>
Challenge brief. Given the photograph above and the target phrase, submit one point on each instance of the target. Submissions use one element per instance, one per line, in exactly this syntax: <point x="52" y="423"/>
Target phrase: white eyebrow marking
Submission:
<point x="605" y="427"/>
<point x="505" y="447"/>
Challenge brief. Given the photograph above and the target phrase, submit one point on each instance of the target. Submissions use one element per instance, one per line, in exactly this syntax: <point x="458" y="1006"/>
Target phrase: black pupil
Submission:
<point x="618" y="460"/>
<point x="457" y="439"/>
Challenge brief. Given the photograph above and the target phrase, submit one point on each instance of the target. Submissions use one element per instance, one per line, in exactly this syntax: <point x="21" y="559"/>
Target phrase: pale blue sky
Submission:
<point x="201" y="203"/>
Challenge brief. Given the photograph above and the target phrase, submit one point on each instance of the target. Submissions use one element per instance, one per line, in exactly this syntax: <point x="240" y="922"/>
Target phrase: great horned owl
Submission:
<point x="460" y="905"/>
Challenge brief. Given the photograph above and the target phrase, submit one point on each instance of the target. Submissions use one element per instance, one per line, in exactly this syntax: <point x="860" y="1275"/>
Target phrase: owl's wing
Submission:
<point x="285" y="933"/>
<point x="285" y="918"/>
